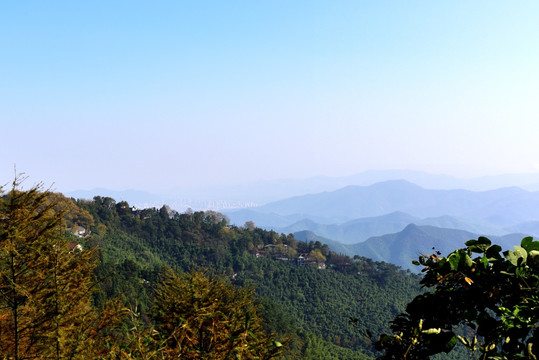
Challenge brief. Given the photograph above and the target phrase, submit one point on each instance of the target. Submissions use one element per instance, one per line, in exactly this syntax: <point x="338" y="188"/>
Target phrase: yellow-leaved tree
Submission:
<point x="201" y="316"/>
<point x="45" y="281"/>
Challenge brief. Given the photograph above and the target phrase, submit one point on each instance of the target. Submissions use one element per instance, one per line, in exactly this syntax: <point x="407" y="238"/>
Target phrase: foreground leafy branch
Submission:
<point x="489" y="303"/>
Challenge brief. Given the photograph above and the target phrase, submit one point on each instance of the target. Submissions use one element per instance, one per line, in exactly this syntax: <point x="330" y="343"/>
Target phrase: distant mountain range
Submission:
<point x="393" y="220"/>
<point x="496" y="208"/>
<point x="402" y="247"/>
<point x="262" y="192"/>
<point x="359" y="230"/>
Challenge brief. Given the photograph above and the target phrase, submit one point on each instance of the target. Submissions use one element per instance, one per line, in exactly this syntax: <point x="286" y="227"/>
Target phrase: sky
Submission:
<point x="179" y="94"/>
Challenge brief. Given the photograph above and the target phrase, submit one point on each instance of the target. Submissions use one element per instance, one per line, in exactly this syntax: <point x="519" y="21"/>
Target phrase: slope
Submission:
<point x="309" y="302"/>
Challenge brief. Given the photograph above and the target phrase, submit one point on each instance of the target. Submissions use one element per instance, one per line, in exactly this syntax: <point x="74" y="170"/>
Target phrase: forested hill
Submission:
<point x="307" y="290"/>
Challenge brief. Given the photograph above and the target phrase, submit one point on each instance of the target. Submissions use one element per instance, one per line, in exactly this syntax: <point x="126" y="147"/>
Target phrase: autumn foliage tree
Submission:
<point x="201" y="316"/>
<point x="45" y="285"/>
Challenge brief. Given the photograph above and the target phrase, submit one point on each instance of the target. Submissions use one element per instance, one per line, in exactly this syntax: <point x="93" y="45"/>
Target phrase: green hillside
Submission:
<point x="309" y="291"/>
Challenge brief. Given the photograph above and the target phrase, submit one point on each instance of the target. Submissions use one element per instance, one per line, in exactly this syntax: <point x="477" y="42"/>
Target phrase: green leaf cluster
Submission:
<point x="483" y="298"/>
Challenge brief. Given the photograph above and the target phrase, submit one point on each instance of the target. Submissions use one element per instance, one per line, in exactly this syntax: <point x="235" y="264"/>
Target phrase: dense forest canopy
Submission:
<point x="313" y="291"/>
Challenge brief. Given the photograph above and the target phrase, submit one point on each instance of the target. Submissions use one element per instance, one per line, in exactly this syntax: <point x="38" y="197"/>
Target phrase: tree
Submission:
<point x="317" y="256"/>
<point x="45" y="284"/>
<point x="206" y="317"/>
<point x="250" y="225"/>
<point x="489" y="303"/>
<point x="28" y="232"/>
<point x="71" y="213"/>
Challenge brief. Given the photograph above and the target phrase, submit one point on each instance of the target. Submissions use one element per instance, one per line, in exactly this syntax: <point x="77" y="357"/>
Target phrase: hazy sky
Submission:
<point x="170" y="94"/>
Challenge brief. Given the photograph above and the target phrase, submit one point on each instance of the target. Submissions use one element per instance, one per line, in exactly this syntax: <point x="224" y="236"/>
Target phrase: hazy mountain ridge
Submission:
<point x="528" y="227"/>
<point x="273" y="190"/>
<point x="262" y="192"/>
<point x="361" y="229"/>
<point x="402" y="247"/>
<point x="380" y="215"/>
<point x="396" y="221"/>
<point x="499" y="208"/>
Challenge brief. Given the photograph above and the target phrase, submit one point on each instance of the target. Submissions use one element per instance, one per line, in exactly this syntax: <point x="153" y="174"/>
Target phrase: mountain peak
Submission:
<point x="395" y="184"/>
<point x="411" y="229"/>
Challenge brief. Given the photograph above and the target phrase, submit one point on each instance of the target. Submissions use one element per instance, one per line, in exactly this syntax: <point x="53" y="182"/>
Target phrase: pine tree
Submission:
<point x="45" y="285"/>
<point x="206" y="317"/>
<point x="70" y="284"/>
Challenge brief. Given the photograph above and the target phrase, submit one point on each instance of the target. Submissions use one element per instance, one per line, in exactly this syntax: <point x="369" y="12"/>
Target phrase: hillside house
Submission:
<point x="78" y="231"/>
<point x="74" y="247"/>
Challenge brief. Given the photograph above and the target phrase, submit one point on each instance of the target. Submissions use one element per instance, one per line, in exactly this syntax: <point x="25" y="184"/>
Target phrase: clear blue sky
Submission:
<point x="171" y="94"/>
